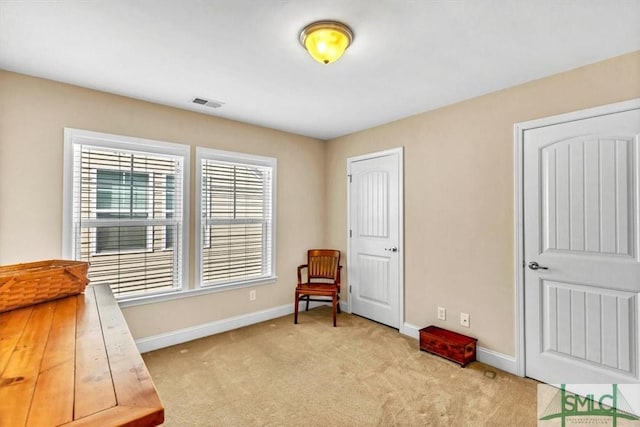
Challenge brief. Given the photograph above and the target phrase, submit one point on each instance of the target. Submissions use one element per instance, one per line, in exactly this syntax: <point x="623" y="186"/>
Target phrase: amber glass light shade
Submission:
<point x="326" y="41"/>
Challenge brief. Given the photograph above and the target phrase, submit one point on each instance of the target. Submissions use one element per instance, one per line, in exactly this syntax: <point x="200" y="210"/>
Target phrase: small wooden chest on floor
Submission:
<point x="448" y="344"/>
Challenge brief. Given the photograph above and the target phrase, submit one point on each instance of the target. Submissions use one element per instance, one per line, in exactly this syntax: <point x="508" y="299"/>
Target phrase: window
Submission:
<point x="124" y="211"/>
<point x="122" y="195"/>
<point x="235" y="230"/>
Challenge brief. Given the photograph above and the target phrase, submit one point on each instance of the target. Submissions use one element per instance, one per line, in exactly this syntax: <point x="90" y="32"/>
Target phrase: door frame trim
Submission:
<point x="400" y="152"/>
<point x="519" y="130"/>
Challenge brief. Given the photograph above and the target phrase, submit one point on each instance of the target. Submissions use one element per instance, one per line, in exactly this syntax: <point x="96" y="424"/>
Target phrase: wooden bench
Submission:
<point x="73" y="362"/>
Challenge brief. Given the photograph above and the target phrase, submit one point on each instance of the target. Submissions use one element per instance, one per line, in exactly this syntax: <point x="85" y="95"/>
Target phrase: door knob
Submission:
<point x="535" y="266"/>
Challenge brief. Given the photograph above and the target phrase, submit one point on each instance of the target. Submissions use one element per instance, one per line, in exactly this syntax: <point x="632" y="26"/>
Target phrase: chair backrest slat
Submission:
<point x="323" y="263"/>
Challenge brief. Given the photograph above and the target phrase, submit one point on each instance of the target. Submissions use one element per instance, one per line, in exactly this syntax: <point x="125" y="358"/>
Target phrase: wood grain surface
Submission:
<point x="72" y="362"/>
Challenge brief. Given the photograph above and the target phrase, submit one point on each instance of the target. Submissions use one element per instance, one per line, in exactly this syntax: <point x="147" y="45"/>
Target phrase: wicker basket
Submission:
<point x="34" y="282"/>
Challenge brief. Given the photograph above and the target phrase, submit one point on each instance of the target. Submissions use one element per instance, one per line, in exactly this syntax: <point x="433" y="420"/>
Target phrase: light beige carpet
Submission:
<point x="359" y="374"/>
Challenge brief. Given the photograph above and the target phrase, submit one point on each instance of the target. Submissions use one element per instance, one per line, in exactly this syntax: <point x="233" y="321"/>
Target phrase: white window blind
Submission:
<point x="236" y="228"/>
<point x="126" y="214"/>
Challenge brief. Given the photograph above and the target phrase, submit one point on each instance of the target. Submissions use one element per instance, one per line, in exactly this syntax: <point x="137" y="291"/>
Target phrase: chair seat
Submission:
<point x="327" y="289"/>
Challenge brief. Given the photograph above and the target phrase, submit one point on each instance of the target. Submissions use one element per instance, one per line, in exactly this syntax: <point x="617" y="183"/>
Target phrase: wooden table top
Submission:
<point x="73" y="362"/>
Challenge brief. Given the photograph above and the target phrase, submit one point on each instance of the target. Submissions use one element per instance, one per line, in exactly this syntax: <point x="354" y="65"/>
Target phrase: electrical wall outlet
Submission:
<point x="464" y="319"/>
<point x="442" y="313"/>
<point x="252" y="295"/>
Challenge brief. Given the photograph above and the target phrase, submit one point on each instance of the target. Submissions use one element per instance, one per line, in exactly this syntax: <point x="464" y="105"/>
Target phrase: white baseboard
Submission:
<point x="489" y="357"/>
<point x="497" y="360"/>
<point x="410" y="330"/>
<point x="180" y="336"/>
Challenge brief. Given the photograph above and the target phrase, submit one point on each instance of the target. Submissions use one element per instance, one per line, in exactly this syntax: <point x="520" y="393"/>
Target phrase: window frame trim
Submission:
<point x="233" y="158"/>
<point x="72" y="137"/>
<point x="172" y="210"/>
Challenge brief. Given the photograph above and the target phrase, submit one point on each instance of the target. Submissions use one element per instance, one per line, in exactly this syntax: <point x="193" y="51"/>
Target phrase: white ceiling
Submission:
<point x="408" y="56"/>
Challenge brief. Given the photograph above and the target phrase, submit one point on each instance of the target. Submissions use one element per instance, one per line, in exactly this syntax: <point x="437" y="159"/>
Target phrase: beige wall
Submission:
<point x="459" y="187"/>
<point x="33" y="113"/>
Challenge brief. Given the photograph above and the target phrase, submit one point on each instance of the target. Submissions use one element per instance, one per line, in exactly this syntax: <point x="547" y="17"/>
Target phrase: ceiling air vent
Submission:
<point x="207" y="102"/>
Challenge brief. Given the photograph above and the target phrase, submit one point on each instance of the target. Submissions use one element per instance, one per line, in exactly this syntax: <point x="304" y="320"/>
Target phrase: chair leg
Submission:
<point x="307" y="309"/>
<point x="335" y="305"/>
<point x="339" y="304"/>
<point x="295" y="309"/>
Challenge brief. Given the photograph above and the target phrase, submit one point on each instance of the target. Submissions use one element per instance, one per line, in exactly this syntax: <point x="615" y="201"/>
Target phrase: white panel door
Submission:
<point x="582" y="273"/>
<point x="374" y="244"/>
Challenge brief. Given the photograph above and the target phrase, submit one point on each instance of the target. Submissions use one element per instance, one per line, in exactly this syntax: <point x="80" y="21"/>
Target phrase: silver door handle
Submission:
<point x="393" y="249"/>
<point x="535" y="266"/>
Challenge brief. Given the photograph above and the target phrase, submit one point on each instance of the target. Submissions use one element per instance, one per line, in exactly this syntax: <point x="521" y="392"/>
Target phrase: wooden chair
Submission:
<point x="323" y="280"/>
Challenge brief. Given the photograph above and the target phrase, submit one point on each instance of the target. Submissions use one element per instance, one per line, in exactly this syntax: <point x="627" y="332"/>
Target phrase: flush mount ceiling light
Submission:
<point x="326" y="41"/>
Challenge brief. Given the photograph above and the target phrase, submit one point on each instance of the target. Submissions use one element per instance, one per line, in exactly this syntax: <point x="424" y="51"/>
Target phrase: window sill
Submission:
<point x="188" y="293"/>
